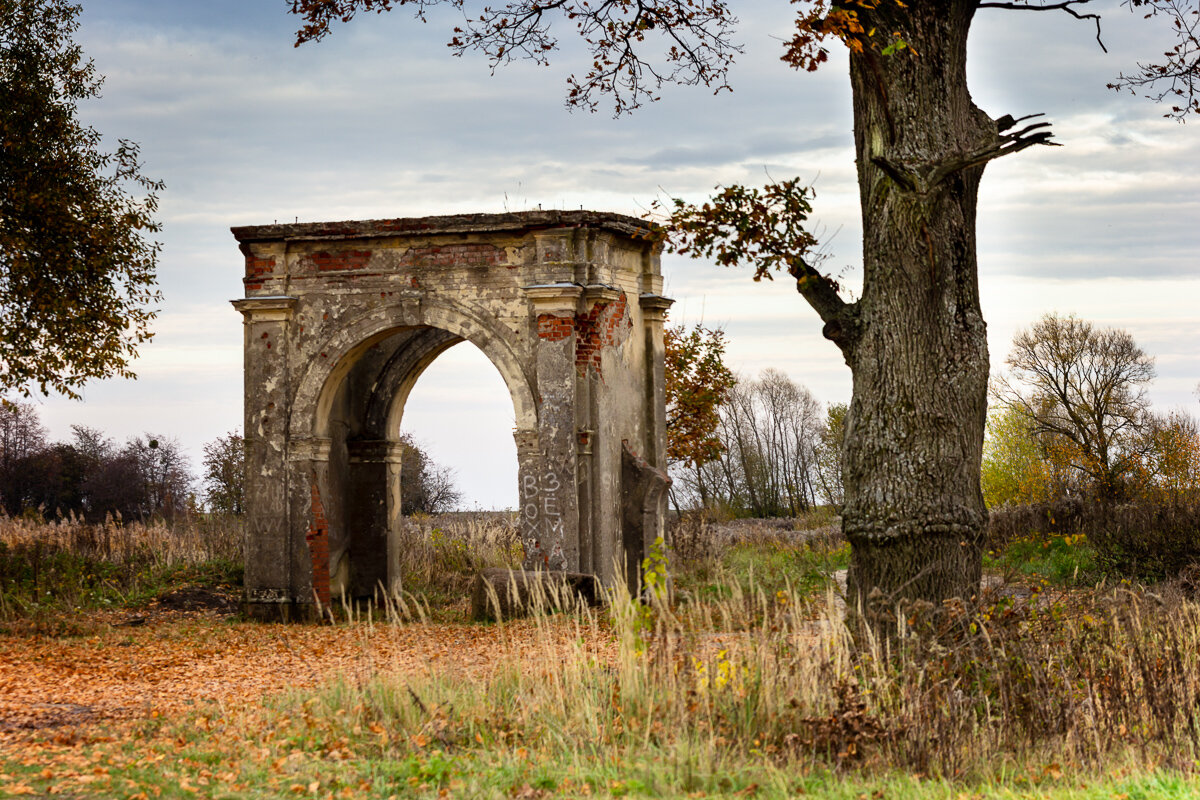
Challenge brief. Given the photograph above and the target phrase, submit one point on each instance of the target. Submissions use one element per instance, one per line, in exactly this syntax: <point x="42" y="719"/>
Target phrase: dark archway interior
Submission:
<point x="364" y="456"/>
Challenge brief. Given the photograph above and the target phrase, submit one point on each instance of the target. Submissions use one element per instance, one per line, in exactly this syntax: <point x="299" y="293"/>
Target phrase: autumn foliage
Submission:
<point x="697" y="385"/>
<point x="1074" y="450"/>
<point x="77" y="264"/>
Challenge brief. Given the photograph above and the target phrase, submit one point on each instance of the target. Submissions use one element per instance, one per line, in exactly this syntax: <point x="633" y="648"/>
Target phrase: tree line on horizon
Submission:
<point x="1070" y="418"/>
<point x="93" y="477"/>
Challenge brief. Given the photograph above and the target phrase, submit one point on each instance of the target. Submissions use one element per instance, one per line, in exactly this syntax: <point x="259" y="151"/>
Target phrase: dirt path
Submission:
<point x="173" y="661"/>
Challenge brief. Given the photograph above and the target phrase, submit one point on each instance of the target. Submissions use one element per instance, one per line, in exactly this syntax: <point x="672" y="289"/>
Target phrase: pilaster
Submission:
<point x="266" y="328"/>
<point x="654" y="315"/>
<point x="552" y="537"/>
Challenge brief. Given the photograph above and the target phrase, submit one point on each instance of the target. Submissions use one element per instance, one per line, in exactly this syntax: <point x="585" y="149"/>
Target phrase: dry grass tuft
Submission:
<point x="51" y="571"/>
<point x="190" y="541"/>
<point x="441" y="554"/>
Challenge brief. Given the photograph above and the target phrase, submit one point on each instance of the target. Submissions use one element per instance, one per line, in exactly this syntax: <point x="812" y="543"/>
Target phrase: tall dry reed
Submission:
<point x="1015" y="679"/>
<point x="49" y="570"/>
<point x="184" y="541"/>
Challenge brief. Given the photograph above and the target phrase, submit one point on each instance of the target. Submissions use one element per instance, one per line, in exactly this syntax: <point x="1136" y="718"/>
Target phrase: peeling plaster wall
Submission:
<point x="342" y="318"/>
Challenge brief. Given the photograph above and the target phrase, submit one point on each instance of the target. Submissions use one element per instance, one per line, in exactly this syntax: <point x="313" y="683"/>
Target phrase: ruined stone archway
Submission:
<point x="342" y="318"/>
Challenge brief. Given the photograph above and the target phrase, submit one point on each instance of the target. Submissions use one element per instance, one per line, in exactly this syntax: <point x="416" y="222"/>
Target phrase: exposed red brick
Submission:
<point x="599" y="328"/>
<point x="257" y="271"/>
<point x="259" y="266"/>
<point x="553" y="328"/>
<point x="453" y="255"/>
<point x="341" y="260"/>
<point x="318" y="547"/>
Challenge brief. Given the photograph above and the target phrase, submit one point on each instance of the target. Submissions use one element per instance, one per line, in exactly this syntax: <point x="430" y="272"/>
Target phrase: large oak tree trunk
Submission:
<point x="914" y="512"/>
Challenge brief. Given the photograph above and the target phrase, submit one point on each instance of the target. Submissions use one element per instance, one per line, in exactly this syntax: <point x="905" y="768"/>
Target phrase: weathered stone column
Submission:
<point x="645" y="483"/>
<point x="395" y="518"/>
<point x="552" y="540"/>
<point x="368" y="515"/>
<point x="312" y="557"/>
<point x="267" y="394"/>
<point x="373" y="518"/>
<point x="529" y="468"/>
<point x="654" y="313"/>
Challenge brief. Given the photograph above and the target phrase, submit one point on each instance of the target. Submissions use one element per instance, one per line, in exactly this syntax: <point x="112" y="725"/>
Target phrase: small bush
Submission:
<point x="1062" y="560"/>
<point x="1066" y="516"/>
<point x="1147" y="541"/>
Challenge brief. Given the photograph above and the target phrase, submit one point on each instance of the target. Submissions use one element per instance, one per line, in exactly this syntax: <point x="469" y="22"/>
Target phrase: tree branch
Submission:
<point x="1065" y="5"/>
<point x="764" y="228"/>
<point x="1177" y="79"/>
<point x="924" y="177"/>
<point x="840" y="317"/>
<point x="695" y="36"/>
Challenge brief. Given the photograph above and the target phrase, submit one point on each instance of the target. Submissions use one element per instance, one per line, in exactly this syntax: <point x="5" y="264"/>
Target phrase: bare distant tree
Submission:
<point x="1084" y="390"/>
<point x="425" y="486"/>
<point x="92" y="443"/>
<point x="21" y="436"/>
<point x="164" y="473"/>
<point x="829" y="454"/>
<point x="769" y="431"/>
<point x="21" y="432"/>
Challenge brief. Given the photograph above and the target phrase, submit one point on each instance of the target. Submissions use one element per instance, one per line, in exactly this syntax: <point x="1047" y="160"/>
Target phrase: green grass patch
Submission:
<point x="1066" y="561"/>
<point x="771" y="564"/>
<point x="32" y="582"/>
<point x="236" y="755"/>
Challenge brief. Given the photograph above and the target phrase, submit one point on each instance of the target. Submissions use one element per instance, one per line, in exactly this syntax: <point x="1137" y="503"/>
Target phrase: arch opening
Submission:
<point x="365" y="478"/>
<point x="381" y="334"/>
<point x="459" y="414"/>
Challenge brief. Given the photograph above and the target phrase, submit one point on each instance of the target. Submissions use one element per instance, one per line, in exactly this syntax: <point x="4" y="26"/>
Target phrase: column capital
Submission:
<point x="557" y="299"/>
<point x="600" y="293"/>
<point x="314" y="449"/>
<point x="527" y="440"/>
<point x="654" y="306"/>
<point x="374" y="451"/>
<point x="270" y="308"/>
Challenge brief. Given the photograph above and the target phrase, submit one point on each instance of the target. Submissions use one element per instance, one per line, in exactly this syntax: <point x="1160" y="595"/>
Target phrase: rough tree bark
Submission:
<point x="916" y="341"/>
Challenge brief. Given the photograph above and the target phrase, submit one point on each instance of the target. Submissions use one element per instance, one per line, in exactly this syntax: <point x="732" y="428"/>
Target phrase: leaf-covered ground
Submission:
<point x="70" y="707"/>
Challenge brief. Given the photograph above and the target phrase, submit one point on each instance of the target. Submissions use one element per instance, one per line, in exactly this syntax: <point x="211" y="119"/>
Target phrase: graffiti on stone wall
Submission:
<point x="542" y="517"/>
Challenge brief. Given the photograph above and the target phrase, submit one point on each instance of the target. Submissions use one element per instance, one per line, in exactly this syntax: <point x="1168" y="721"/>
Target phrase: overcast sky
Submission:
<point x="380" y="121"/>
